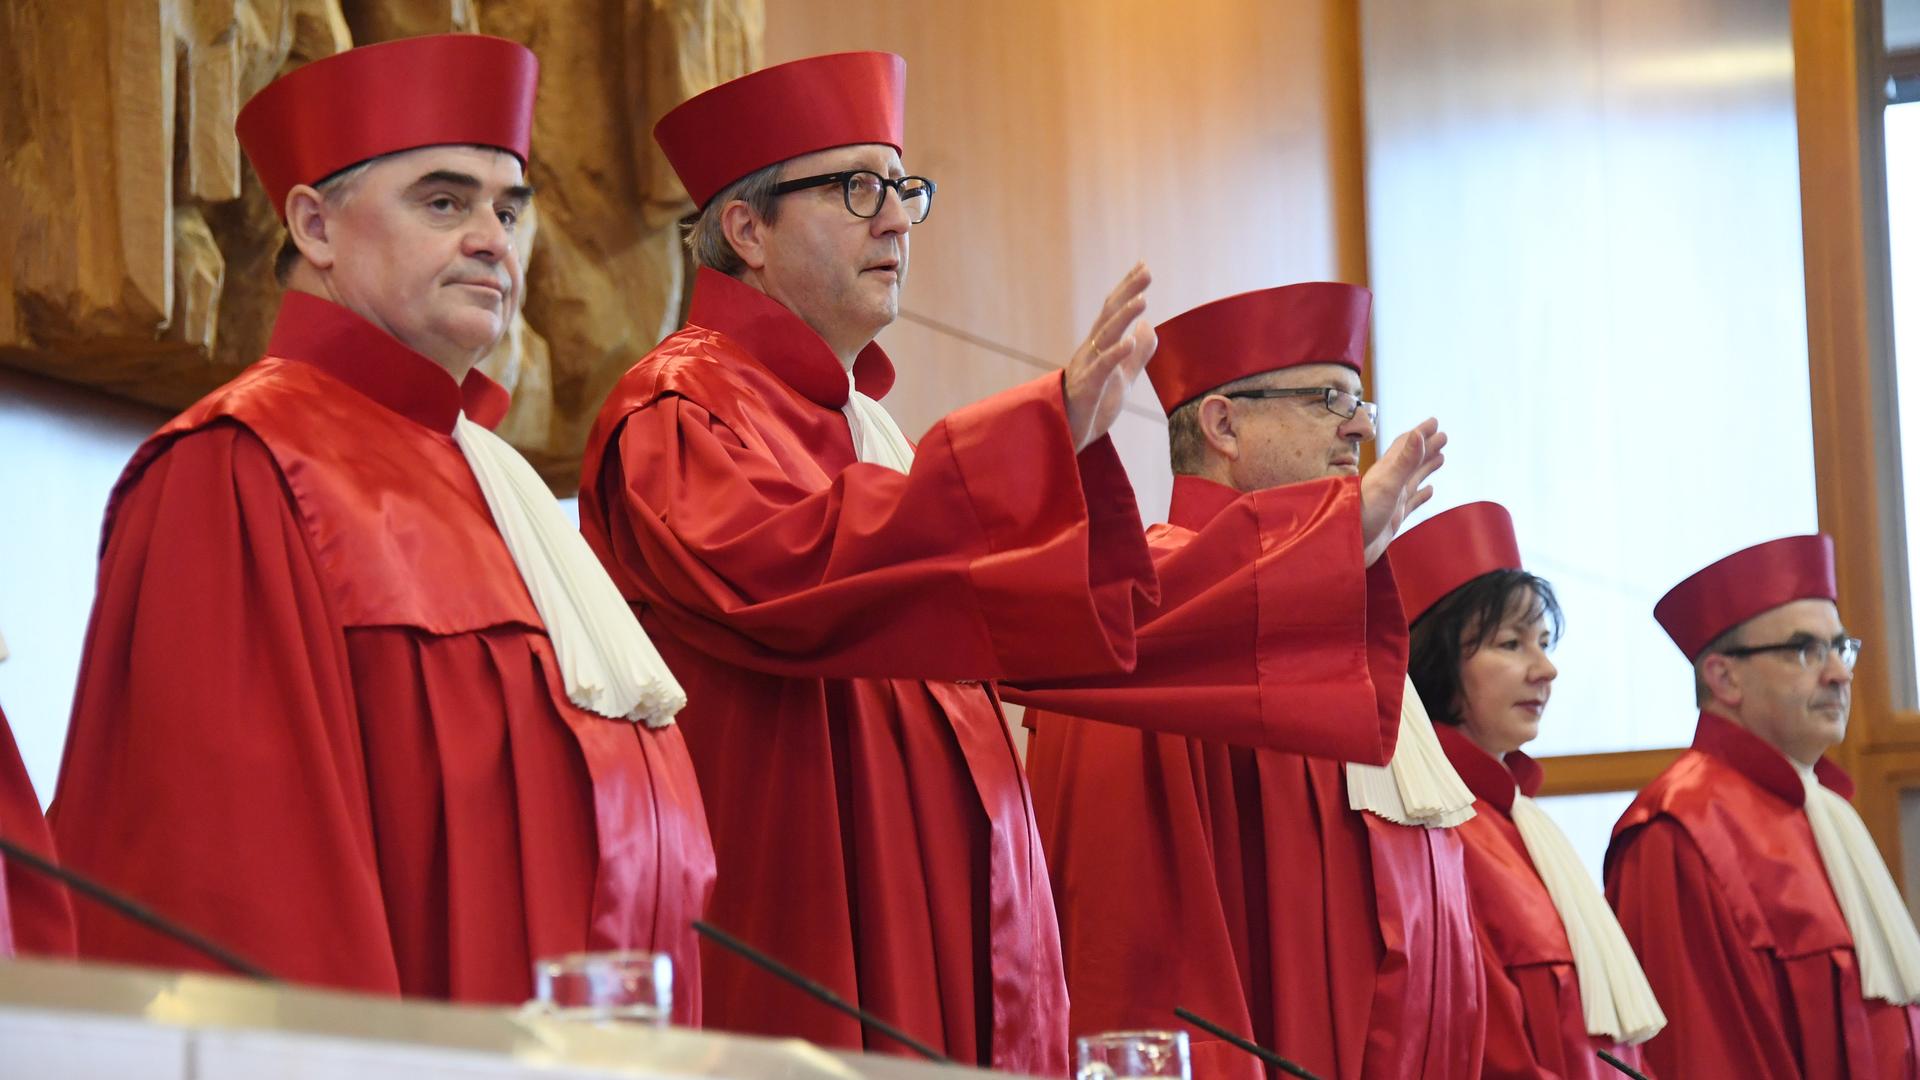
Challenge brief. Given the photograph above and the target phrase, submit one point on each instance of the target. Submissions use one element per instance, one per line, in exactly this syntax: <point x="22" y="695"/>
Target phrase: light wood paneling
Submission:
<point x="1579" y="774"/>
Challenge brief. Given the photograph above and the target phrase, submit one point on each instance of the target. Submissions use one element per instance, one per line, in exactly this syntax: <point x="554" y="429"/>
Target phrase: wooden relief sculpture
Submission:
<point x="139" y="247"/>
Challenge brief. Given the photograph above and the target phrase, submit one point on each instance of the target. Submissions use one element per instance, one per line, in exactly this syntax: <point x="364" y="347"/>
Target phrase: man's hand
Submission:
<point x="1108" y="361"/>
<point x="1392" y="489"/>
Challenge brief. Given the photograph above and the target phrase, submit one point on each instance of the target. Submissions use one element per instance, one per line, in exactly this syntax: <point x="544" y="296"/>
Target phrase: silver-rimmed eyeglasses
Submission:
<point x="1338" y="402"/>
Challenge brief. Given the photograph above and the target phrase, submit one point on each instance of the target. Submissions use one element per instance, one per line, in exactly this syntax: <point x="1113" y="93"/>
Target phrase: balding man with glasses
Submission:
<point x="1764" y="917"/>
<point x="1320" y="906"/>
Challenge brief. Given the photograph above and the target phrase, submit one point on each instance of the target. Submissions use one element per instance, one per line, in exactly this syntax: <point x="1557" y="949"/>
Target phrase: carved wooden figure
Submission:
<point x="137" y="247"/>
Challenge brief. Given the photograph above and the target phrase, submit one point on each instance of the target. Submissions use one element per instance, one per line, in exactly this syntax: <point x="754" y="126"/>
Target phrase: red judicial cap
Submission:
<point x="782" y="112"/>
<point x="1450" y="549"/>
<point x="336" y="112"/>
<point x="1317" y="322"/>
<point x="1744" y="584"/>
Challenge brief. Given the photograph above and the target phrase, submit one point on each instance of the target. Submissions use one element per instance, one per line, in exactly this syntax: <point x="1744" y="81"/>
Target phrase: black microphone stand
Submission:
<point x="735" y="945"/>
<point x="140" y="913"/>
<point x="1248" y="1045"/>
<point x="1621" y="1065"/>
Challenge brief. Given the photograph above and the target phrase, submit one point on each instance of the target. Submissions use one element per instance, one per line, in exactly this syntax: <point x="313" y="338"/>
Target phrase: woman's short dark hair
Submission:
<point x="1461" y="623"/>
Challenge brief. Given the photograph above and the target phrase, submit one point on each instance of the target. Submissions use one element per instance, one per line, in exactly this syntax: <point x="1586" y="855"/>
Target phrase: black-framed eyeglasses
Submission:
<point x="1338" y="402"/>
<point x="1812" y="652"/>
<point x="865" y="191"/>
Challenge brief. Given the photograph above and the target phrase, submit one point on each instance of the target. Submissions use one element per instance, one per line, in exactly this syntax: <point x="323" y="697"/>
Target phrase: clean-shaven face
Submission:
<point x="425" y="247"/>
<point x="840" y="273"/>
<point x="1505" y="683"/>
<point x="1294" y="439"/>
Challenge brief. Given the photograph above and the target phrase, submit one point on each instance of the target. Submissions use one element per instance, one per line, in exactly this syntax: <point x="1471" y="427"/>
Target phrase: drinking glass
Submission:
<point x="1117" y="1055"/>
<point x="627" y="987"/>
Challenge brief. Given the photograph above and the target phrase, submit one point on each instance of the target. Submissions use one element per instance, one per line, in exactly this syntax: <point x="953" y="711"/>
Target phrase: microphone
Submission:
<point x="16" y="855"/>
<point x="1248" y="1045"/>
<point x="786" y="974"/>
<point x="1621" y="1065"/>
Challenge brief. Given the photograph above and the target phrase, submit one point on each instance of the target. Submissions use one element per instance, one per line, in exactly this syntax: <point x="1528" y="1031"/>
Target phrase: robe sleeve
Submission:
<point x="1718" y="993"/>
<point x="213" y="768"/>
<point x="1515" y="1049"/>
<point x="36" y="918"/>
<point x="1001" y="553"/>
<point x="1269" y="631"/>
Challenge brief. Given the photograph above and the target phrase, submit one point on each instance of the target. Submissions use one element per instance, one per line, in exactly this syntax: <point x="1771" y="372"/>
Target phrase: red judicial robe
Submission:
<point x="1237" y="882"/>
<point x="826" y="617"/>
<point x="319" y="720"/>
<point x="36" y="915"/>
<point x="1269" y="630"/>
<point x="1535" y="1024"/>
<point x="1718" y="884"/>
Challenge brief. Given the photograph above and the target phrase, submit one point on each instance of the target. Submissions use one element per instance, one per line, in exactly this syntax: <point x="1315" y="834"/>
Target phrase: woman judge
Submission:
<point x="1562" y="982"/>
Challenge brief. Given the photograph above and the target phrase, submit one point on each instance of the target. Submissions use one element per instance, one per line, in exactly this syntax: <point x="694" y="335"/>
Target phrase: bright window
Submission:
<point x="1585" y="250"/>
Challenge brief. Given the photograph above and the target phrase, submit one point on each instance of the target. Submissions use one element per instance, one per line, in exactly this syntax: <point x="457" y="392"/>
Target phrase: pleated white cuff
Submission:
<point x="606" y="660"/>
<point x="1614" y="992"/>
<point x="1417" y="786"/>
<point x="1884" y="940"/>
<point x="877" y="439"/>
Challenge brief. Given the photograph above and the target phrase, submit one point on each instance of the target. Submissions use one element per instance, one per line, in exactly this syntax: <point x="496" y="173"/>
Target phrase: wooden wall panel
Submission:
<point x="135" y="252"/>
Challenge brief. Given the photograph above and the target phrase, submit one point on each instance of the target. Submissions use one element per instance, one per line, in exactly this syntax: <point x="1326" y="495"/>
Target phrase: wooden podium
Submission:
<point x="69" y="1021"/>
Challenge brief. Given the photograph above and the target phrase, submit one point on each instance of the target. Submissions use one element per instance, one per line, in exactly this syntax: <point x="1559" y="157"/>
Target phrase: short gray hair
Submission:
<point x="1186" y="446"/>
<point x="707" y="238"/>
<point x="335" y="190"/>
<point x="1702" y="696"/>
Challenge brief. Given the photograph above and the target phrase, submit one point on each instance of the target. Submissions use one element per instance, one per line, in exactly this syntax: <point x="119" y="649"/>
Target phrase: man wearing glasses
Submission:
<point x="824" y="587"/>
<point x="1761" y="910"/>
<point x="1266" y="890"/>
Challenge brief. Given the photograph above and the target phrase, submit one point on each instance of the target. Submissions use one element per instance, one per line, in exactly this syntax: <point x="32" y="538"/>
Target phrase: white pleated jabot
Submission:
<point x="1417" y="786"/>
<point x="1614" y="993"/>
<point x="606" y="660"/>
<point x="877" y="440"/>
<point x="1884" y="939"/>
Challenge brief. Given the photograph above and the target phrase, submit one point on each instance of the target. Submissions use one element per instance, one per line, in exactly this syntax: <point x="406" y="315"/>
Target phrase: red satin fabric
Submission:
<point x="1718" y="884"/>
<point x="459" y="89"/>
<point x="872" y="823"/>
<point x="318" y="719"/>
<point x="1536" y="1028"/>
<point x="36" y="915"/>
<point x="1236" y="882"/>
<point x="1269" y="630"/>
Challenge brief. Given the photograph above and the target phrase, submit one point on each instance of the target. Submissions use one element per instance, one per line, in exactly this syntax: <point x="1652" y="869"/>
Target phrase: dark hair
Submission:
<point x="1463" y="621"/>
<point x="333" y="188"/>
<point x="1728" y="639"/>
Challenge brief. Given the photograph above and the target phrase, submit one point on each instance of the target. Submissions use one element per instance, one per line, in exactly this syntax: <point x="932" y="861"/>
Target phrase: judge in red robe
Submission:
<point x="1238" y="881"/>
<point x="834" y="598"/>
<point x="1766" y="921"/>
<point x="1482" y="628"/>
<point x="321" y="718"/>
<point x="36" y="915"/>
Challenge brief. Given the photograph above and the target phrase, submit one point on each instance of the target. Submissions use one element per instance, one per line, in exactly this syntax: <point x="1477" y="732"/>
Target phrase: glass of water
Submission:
<point x="626" y="987"/>
<point x="1116" y="1055"/>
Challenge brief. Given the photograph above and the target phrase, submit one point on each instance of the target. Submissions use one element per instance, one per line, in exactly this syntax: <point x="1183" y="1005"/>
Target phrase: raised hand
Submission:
<point x="1107" y="362"/>
<point x="1394" y="487"/>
